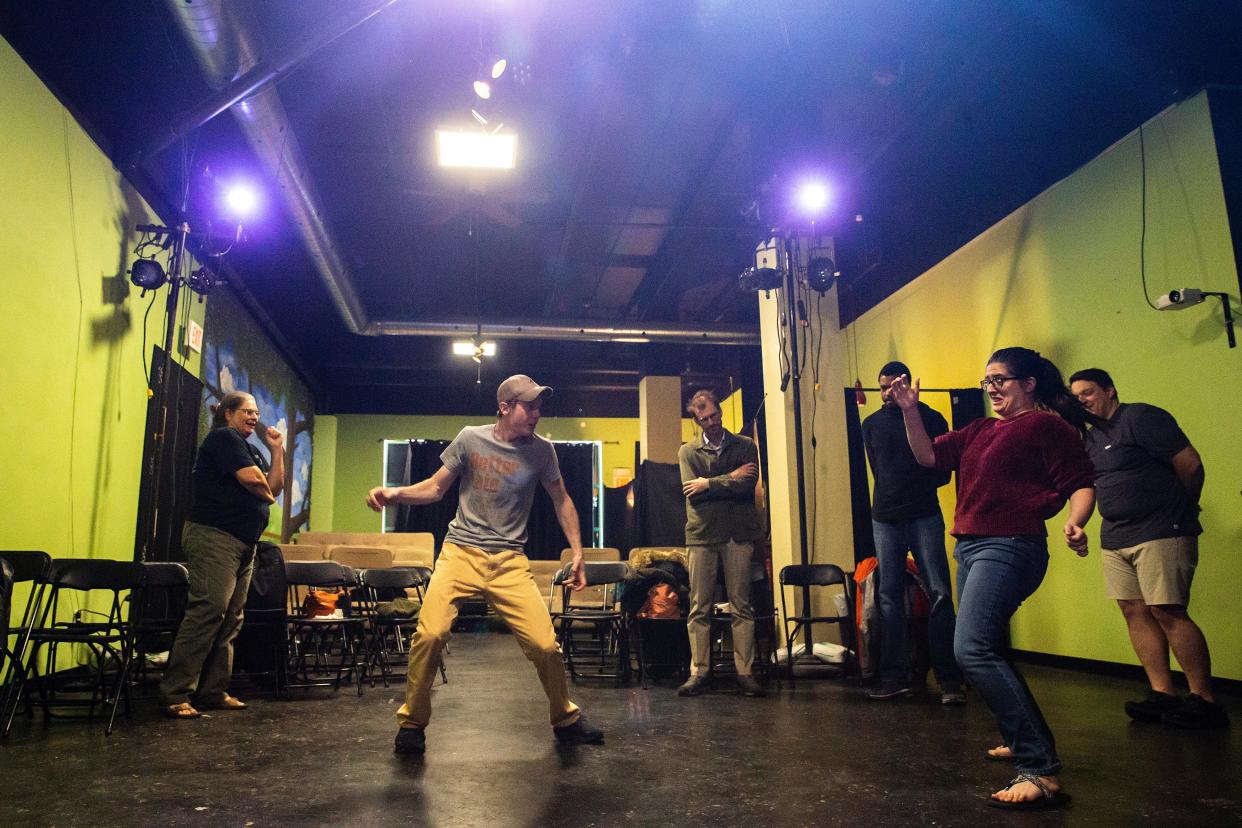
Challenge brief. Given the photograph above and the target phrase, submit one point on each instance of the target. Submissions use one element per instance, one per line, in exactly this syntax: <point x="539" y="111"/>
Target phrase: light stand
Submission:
<point x="791" y="313"/>
<point x="159" y="382"/>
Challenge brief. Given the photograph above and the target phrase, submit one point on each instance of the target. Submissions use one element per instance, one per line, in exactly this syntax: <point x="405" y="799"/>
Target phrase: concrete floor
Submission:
<point x="822" y="755"/>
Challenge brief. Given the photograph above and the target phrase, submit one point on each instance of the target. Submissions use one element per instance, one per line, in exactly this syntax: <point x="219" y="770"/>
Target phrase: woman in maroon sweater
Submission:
<point x="1014" y="472"/>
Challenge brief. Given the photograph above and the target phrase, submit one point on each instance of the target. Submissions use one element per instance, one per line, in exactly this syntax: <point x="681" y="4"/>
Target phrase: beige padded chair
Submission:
<point x="543" y="572"/>
<point x="302" y="551"/>
<point x="361" y="557"/>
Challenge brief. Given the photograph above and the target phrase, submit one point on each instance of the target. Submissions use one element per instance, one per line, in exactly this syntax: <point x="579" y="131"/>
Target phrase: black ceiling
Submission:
<point x="649" y="132"/>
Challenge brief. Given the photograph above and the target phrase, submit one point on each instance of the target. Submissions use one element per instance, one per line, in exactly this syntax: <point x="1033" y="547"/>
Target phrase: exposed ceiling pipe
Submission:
<point x="587" y="330"/>
<point x="225" y="50"/>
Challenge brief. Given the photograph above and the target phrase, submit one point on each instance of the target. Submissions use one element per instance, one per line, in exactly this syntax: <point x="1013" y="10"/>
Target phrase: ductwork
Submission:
<point x="225" y="49"/>
<point x="593" y="330"/>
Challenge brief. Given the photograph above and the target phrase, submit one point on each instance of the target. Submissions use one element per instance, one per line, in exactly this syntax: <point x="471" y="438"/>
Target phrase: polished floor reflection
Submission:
<point x="822" y="755"/>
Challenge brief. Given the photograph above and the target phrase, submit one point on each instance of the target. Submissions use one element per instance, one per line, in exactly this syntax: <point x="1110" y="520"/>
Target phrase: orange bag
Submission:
<point x="320" y="602"/>
<point x="661" y="603"/>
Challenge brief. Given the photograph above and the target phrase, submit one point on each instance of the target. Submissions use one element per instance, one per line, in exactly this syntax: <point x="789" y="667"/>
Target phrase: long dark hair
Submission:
<point x="1050" y="390"/>
<point x="231" y="402"/>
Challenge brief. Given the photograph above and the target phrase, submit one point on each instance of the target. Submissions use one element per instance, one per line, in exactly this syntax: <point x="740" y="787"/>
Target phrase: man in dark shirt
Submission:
<point x="906" y="518"/>
<point x="1147" y="488"/>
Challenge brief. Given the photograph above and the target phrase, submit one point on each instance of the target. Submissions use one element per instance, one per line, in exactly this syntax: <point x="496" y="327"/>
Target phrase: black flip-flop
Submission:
<point x="1047" y="800"/>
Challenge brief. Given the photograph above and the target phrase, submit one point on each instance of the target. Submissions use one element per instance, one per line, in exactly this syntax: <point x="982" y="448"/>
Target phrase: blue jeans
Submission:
<point x="923" y="537"/>
<point x="994" y="576"/>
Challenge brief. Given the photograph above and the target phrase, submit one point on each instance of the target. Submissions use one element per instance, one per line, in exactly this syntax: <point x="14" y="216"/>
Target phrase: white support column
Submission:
<point x="659" y="412"/>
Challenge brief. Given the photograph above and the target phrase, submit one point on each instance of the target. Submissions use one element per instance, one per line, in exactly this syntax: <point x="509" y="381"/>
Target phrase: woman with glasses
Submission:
<point x="233" y="487"/>
<point x="1014" y="472"/>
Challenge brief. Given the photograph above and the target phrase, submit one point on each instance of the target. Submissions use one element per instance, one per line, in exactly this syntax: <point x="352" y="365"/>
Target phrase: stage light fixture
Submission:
<point x="821" y="274"/>
<point x="498" y="68"/>
<point x="202" y="280"/>
<point x="147" y="274"/>
<point x="760" y="278"/>
<point x="464" y="347"/>
<point x="813" y="197"/>
<point x="478" y="117"/>
<point x="476" y="150"/>
<point x="483" y="89"/>
<point x="241" y="200"/>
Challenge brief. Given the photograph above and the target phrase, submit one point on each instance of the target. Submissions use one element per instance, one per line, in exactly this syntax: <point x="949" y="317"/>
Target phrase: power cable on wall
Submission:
<point x="1143" y="218"/>
<point x="77" y="360"/>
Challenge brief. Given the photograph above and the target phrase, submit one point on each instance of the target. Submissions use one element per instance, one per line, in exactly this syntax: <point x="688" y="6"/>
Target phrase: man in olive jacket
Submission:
<point x="718" y="473"/>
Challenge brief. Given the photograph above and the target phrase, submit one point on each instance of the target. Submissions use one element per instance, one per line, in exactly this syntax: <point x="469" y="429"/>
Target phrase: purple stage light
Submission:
<point x="813" y="197"/>
<point x="241" y="200"/>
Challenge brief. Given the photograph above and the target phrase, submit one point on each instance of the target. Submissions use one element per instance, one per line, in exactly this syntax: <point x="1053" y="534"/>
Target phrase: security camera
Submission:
<point x="1178" y="299"/>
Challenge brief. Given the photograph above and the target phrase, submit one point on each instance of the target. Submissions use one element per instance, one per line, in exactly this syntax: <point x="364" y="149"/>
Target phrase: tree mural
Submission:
<point x="224" y="370"/>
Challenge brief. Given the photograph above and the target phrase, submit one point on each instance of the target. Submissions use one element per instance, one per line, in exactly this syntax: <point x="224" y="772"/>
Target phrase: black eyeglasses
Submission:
<point x="994" y="382"/>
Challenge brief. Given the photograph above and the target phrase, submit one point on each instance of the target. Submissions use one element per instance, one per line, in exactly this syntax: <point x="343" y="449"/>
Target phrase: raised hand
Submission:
<point x="274" y="437"/>
<point x="904" y="393"/>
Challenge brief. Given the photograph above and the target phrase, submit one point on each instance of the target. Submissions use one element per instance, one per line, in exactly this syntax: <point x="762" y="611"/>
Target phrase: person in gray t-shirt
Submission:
<point x="499" y="466"/>
<point x="1148" y="481"/>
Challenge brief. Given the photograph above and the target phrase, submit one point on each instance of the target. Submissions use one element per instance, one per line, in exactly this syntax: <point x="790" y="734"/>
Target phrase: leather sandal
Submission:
<point x="184" y="710"/>
<point x="227" y="703"/>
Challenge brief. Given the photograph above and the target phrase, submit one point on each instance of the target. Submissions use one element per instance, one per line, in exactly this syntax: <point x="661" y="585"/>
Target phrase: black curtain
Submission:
<point x="860" y="496"/>
<point x="164" y="504"/>
<point x="545" y="540"/>
<point x="660" y="505"/>
<point x="620" y="518"/>
<point x="422" y="460"/>
<point x="967" y="405"/>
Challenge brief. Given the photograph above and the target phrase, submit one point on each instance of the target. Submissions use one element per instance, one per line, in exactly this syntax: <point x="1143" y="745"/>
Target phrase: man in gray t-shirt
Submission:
<point x="499" y="466"/>
<point x="1148" y="480"/>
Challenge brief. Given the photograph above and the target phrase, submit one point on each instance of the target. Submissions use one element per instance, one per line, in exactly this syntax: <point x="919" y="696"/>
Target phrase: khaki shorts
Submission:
<point x="1157" y="572"/>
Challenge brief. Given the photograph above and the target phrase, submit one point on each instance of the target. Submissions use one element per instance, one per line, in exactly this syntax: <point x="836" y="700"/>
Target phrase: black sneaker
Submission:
<point x="1197" y="713"/>
<point x="750" y="687"/>
<point x="410" y="741"/>
<point x="1153" y="707"/>
<point x="694" y="686"/>
<point x="580" y="732"/>
<point x="888" y="691"/>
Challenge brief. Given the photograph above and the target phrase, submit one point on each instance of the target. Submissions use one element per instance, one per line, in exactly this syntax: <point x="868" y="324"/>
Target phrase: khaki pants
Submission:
<point x="201" y="661"/>
<point x="735" y="558"/>
<point x="504" y="580"/>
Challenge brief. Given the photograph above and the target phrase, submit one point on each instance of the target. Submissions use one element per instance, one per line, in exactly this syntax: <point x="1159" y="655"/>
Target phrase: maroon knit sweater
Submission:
<point x="1013" y="474"/>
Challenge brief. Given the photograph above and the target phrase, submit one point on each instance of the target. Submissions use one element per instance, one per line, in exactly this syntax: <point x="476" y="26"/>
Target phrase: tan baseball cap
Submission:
<point x="520" y="387"/>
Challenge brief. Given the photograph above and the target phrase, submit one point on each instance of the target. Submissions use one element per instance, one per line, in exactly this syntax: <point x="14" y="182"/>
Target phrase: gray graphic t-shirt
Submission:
<point x="498" y="482"/>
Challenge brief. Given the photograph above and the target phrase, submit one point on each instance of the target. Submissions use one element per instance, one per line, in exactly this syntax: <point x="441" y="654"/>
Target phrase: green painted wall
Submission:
<point x="1061" y="275"/>
<point x="349" y="453"/>
<point x="73" y="395"/>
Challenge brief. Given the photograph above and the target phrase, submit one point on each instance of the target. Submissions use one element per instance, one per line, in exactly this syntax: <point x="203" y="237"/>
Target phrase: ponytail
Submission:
<point x="1050" y="391"/>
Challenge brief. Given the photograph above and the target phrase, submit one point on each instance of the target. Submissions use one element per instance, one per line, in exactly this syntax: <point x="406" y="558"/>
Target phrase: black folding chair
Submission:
<point x="108" y="638"/>
<point x="25" y="567"/>
<point x="156" y="615"/>
<point x="812" y="576"/>
<point x="387" y="625"/>
<point x="594" y="636"/>
<point x="314" y="640"/>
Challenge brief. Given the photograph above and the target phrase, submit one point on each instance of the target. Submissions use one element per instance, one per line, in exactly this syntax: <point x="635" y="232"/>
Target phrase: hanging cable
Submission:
<point x="1143" y="218"/>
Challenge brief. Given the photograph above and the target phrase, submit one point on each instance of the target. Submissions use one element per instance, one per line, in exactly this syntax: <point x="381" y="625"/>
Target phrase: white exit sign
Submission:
<point x="194" y="337"/>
